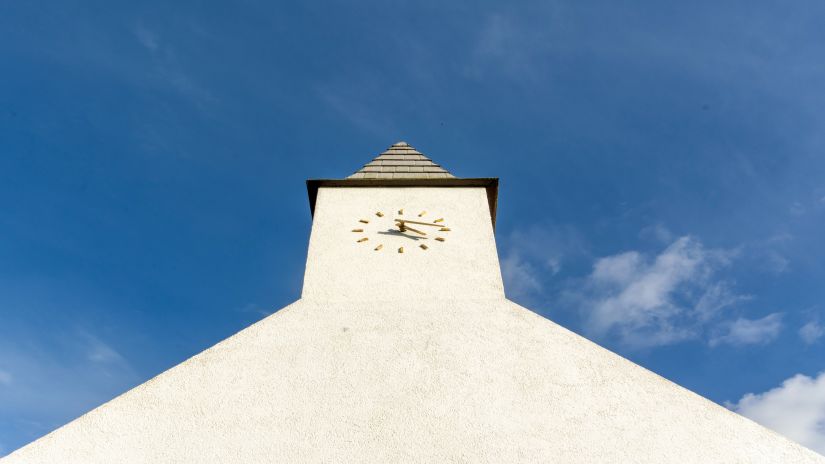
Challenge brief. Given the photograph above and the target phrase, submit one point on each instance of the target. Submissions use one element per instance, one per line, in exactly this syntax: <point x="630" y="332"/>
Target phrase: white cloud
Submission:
<point x="533" y="254"/>
<point x="717" y="297"/>
<point x="56" y="378"/>
<point x="5" y="377"/>
<point x="770" y="254"/>
<point x="520" y="277"/>
<point x="516" y="46"/>
<point x="795" y="409"/>
<point x="547" y="246"/>
<point x="657" y="232"/>
<point x="811" y="332"/>
<point x="650" y="302"/>
<point x="344" y="99"/>
<point x="775" y="262"/>
<point x="164" y="68"/>
<point x="147" y="38"/>
<point x="100" y="352"/>
<point x="500" y="48"/>
<point x="253" y="308"/>
<point x="744" y="331"/>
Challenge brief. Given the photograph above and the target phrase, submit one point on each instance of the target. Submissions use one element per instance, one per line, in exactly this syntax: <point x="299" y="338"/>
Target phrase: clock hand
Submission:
<point x="403" y="228"/>
<point x="403" y="233"/>
<point x="414" y="230"/>
<point x="403" y="221"/>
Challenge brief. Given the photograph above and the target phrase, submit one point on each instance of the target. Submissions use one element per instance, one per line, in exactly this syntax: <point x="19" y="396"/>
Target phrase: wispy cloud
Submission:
<point x="520" y="276"/>
<point x="357" y="109"/>
<point x="535" y="253"/>
<point x="639" y="299"/>
<point x="99" y="352"/>
<point x="797" y="208"/>
<point x="716" y="297"/>
<point x="254" y="308"/>
<point x="147" y="38"/>
<point x="167" y="69"/>
<point x="5" y="377"/>
<point x="501" y="47"/>
<point x="649" y="302"/>
<point x="162" y="62"/>
<point x="744" y="331"/>
<point x="646" y="301"/>
<point x="770" y="254"/>
<point x="47" y="382"/>
<point x="795" y="409"/>
<point x="657" y="232"/>
<point x="811" y="332"/>
<point x="776" y="262"/>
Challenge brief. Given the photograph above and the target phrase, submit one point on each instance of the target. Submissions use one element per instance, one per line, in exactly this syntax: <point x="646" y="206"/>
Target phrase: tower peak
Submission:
<point x="401" y="161"/>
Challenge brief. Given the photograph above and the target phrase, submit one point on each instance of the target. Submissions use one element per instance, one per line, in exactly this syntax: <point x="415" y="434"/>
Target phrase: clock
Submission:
<point x="379" y="231"/>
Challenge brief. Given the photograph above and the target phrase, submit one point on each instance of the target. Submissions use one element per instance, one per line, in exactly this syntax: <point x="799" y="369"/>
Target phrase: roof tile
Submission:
<point x="401" y="161"/>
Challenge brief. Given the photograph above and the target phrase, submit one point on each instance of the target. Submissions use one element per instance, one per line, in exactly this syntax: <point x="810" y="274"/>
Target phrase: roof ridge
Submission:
<point x="401" y="161"/>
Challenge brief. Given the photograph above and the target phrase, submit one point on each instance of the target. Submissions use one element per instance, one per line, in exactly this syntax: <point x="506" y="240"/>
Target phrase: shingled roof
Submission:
<point x="401" y="161"/>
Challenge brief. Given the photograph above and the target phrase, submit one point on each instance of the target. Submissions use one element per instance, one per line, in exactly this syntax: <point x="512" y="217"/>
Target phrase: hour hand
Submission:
<point x="404" y="222"/>
<point x="402" y="227"/>
<point x="405" y="227"/>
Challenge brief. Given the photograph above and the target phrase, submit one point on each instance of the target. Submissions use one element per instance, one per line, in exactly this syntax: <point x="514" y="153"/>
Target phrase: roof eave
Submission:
<point x="489" y="183"/>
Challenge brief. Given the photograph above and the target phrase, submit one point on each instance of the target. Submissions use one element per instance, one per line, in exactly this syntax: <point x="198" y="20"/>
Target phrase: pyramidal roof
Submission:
<point x="401" y="161"/>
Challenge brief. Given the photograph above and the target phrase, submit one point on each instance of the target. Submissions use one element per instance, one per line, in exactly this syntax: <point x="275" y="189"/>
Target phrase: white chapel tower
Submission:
<point x="403" y="348"/>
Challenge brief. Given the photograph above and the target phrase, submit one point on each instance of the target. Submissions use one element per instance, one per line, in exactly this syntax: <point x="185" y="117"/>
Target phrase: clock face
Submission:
<point x="400" y="231"/>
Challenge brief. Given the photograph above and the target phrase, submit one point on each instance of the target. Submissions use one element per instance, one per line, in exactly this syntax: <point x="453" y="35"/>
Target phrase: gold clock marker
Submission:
<point x="401" y="250"/>
<point x="422" y="213"/>
<point x="357" y="230"/>
<point x="363" y="240"/>
<point x="423" y="247"/>
<point x="440" y="239"/>
<point x="379" y="247"/>
<point x="439" y="220"/>
<point x="444" y="229"/>
<point x="379" y="214"/>
<point x="364" y="221"/>
<point x="401" y="211"/>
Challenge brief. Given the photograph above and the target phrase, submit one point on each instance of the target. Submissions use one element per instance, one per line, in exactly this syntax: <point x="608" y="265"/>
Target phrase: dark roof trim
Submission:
<point x="491" y="184"/>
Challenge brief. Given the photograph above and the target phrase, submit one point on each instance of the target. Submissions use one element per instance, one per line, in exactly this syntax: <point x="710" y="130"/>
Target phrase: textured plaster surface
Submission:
<point x="415" y="381"/>
<point x="365" y="368"/>
<point x="465" y="265"/>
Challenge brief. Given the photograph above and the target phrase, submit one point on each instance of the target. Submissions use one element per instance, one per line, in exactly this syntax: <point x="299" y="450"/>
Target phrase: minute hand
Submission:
<point x="420" y="223"/>
<point x="415" y="230"/>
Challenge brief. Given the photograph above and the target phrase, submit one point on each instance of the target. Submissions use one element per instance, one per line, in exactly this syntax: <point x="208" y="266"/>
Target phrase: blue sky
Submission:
<point x="661" y="164"/>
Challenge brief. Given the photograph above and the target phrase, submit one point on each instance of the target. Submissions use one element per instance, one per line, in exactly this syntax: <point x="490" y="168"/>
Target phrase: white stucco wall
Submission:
<point x="421" y="362"/>
<point x="340" y="268"/>
<point x="418" y="381"/>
